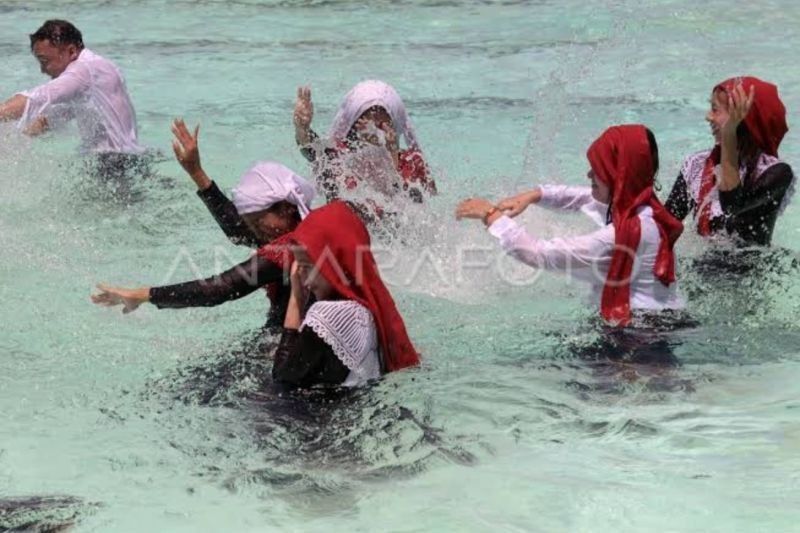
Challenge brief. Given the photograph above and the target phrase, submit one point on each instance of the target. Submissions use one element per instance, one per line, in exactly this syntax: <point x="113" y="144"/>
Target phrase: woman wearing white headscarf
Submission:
<point x="371" y="115"/>
<point x="270" y="201"/>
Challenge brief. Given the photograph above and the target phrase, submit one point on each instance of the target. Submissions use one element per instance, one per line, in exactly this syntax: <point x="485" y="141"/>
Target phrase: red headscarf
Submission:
<point x="338" y="243"/>
<point x="766" y="122"/>
<point x="621" y="159"/>
<point x="277" y="251"/>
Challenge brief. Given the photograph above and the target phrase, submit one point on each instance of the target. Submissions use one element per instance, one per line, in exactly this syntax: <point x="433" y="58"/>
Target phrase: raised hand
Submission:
<point x="739" y="104"/>
<point x="185" y="146"/>
<point x="187" y="152"/>
<point x="303" y="114"/>
<point x="130" y="299"/>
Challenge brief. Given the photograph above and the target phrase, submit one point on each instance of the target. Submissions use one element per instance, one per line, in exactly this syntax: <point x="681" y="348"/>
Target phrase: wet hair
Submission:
<point x="653" y="150"/>
<point x="286" y="210"/>
<point x="58" y="32"/>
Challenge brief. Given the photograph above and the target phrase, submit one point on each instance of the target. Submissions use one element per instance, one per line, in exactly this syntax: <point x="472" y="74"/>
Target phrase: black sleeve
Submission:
<point x="751" y="211"/>
<point x="308" y="150"/>
<point x="679" y="202"/>
<point x="224" y="212"/>
<point x="303" y="359"/>
<point x="234" y="283"/>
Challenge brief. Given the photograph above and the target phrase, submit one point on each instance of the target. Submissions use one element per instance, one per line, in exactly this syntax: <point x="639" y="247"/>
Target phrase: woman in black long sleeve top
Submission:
<point x="267" y="217"/>
<point x="740" y="187"/>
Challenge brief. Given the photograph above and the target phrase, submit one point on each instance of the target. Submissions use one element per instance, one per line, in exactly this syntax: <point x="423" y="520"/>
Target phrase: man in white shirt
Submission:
<point x="85" y="86"/>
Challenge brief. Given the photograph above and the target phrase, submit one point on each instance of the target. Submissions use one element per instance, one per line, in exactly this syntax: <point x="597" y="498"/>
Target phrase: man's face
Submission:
<point x="53" y="59"/>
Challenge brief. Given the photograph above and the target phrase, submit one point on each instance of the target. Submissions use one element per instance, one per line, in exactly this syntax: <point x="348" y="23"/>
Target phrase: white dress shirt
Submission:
<point x="588" y="257"/>
<point x="92" y="90"/>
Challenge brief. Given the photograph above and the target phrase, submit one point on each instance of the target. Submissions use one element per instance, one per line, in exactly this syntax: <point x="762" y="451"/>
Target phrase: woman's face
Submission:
<point x="718" y="113"/>
<point x="600" y="191"/>
<point x="370" y="122"/>
<point x="270" y="224"/>
<point x="310" y="276"/>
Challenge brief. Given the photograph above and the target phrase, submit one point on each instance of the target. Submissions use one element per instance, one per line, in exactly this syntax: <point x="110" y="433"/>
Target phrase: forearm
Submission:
<point x="578" y="256"/>
<point x="294" y="315"/>
<point x="302" y="136"/>
<point x="226" y="215"/>
<point x="239" y="281"/>
<point x="201" y="179"/>
<point x="13" y="108"/>
<point x="562" y="197"/>
<point x="729" y="161"/>
<point x="306" y="140"/>
<point x="142" y="294"/>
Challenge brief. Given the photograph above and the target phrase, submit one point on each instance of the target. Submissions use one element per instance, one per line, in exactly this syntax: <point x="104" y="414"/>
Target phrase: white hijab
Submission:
<point x="368" y="94"/>
<point x="267" y="183"/>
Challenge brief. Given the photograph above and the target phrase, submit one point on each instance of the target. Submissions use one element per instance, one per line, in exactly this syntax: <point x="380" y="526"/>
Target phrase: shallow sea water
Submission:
<point x="156" y="422"/>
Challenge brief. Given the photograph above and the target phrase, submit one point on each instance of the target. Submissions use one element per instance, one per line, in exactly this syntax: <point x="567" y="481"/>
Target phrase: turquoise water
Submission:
<point x="501" y="428"/>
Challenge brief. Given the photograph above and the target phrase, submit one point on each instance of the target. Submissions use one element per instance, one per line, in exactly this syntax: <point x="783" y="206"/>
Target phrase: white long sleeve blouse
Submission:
<point x="588" y="257"/>
<point x="92" y="90"/>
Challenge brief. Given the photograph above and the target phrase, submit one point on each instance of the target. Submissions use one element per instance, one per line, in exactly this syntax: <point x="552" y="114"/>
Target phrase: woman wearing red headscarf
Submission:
<point x="740" y="186"/>
<point x="628" y="261"/>
<point x="353" y="332"/>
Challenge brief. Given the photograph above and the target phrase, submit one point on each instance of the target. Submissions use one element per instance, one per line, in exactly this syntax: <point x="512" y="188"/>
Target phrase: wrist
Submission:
<point x="200" y="178"/>
<point x="302" y="134"/>
<point x="142" y="294"/>
<point x="491" y="215"/>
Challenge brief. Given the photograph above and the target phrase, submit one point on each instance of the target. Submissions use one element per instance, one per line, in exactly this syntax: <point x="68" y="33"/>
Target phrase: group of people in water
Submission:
<point x="338" y="322"/>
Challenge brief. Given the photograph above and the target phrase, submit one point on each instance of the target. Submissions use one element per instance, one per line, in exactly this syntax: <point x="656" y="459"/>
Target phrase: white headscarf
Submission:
<point x="368" y="94"/>
<point x="267" y="183"/>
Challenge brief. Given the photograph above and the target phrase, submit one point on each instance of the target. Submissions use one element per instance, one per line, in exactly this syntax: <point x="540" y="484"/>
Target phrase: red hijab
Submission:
<point x="621" y="159"/>
<point x="338" y="243"/>
<point x="277" y="251"/>
<point x="766" y="122"/>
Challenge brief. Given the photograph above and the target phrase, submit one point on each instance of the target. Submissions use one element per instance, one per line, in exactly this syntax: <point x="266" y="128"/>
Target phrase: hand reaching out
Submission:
<point x="516" y="204"/>
<point x="131" y="299"/>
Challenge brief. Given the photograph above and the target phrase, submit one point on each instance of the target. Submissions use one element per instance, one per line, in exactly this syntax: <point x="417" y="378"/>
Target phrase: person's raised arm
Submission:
<point x="739" y="104"/>
<point x="187" y="152"/>
<point x="302" y="356"/>
<point x="303" y="114"/>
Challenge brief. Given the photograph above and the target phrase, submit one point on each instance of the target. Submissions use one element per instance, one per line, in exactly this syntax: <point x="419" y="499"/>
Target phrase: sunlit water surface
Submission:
<point x="162" y="421"/>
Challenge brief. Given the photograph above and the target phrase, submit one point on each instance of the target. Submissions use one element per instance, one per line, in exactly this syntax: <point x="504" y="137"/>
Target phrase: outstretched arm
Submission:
<point x="13" y="108"/>
<point x="232" y="284"/>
